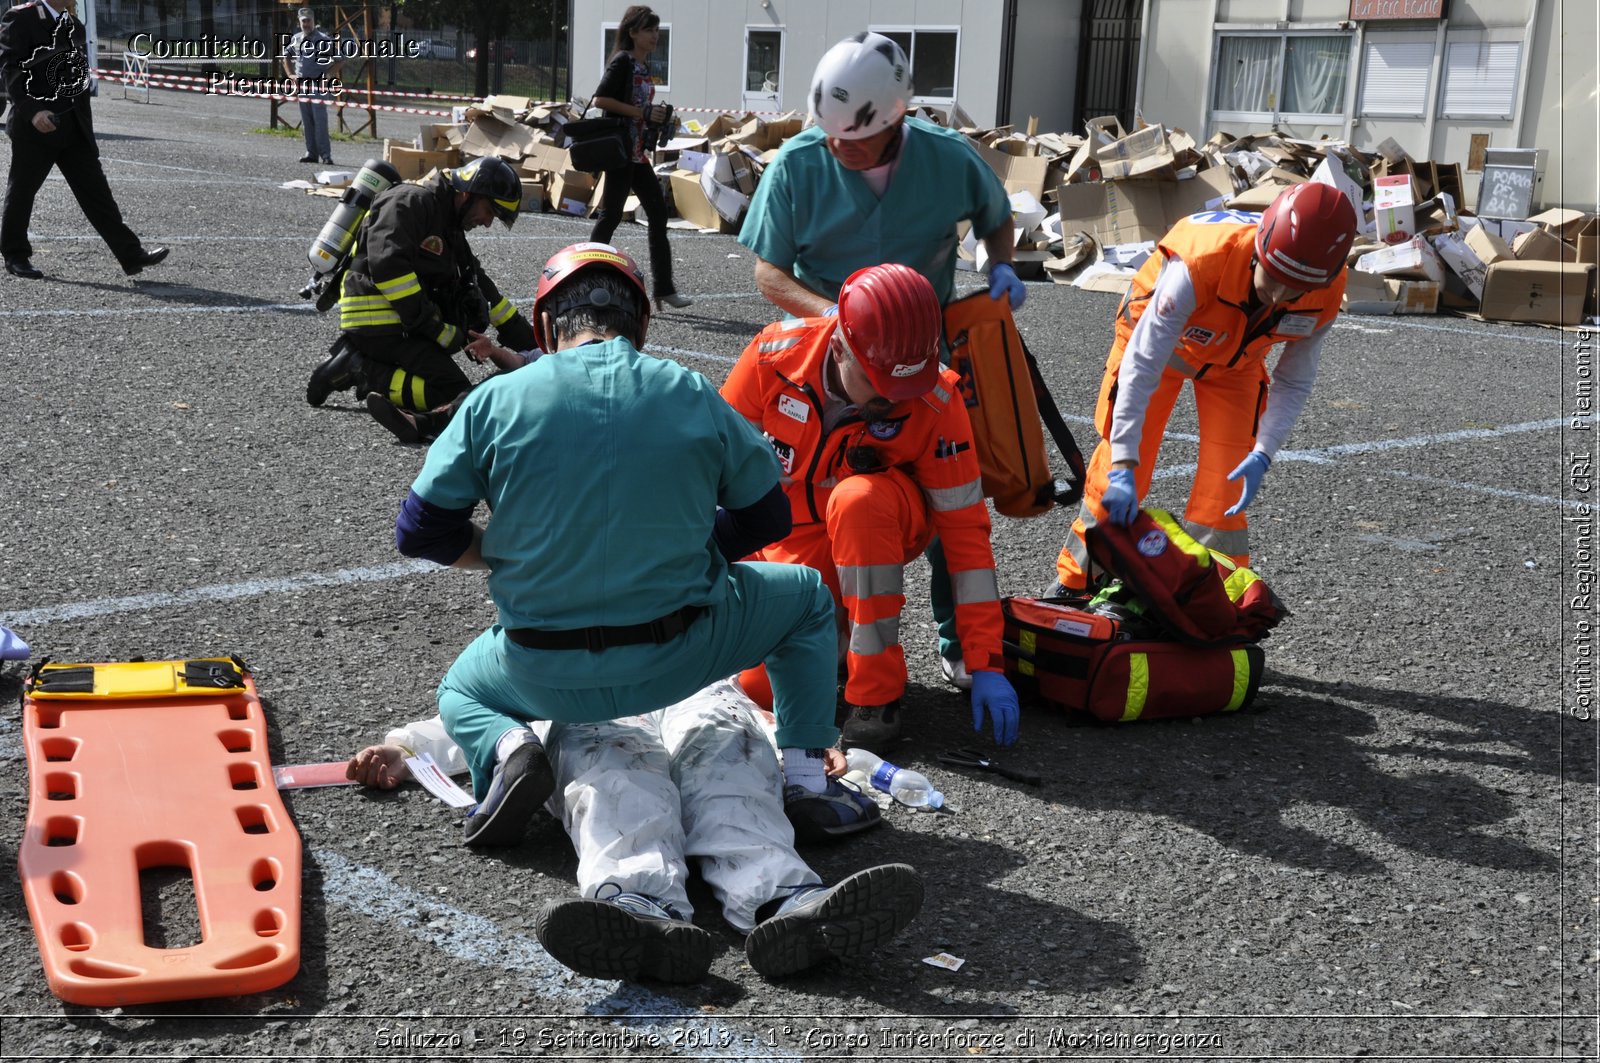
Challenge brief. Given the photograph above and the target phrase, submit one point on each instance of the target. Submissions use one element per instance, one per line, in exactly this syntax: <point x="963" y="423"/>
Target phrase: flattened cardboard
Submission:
<point x="1563" y="221"/>
<point x="488" y="135"/>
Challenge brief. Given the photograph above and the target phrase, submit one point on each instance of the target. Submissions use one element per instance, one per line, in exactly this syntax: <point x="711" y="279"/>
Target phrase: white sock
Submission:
<point x="804" y="767"/>
<point x="509" y="742"/>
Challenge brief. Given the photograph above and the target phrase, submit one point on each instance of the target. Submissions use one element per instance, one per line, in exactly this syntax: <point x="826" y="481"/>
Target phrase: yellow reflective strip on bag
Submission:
<point x="1181" y="538"/>
<point x="1029" y="643"/>
<point x="1138" y="686"/>
<point x="1241" y="680"/>
<point x="1239" y="582"/>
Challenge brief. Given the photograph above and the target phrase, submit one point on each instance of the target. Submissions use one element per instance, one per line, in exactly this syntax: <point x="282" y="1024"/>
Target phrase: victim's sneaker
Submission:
<point x="521" y="783"/>
<point x="627" y="936"/>
<point x="843" y="921"/>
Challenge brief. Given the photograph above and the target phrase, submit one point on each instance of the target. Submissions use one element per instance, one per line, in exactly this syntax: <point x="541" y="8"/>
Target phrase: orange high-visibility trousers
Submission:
<point x="1228" y="404"/>
<point x="876" y="524"/>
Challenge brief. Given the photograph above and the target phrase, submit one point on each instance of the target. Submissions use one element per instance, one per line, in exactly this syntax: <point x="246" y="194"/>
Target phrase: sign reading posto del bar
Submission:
<point x="1367" y="10"/>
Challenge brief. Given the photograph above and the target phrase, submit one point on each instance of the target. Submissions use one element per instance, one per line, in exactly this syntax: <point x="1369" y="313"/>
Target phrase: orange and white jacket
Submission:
<point x="778" y="385"/>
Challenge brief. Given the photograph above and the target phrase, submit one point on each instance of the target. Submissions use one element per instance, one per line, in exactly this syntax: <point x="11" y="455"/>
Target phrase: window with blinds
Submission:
<point x="1394" y="77"/>
<point x="1480" y="79"/>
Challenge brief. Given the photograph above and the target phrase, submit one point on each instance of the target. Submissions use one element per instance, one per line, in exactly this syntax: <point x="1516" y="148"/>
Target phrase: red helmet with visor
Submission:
<point x="890" y="321"/>
<point x="1305" y="236"/>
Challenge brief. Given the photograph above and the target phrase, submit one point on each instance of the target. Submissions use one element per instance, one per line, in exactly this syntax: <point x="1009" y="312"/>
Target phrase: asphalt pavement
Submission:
<point x="1393" y="855"/>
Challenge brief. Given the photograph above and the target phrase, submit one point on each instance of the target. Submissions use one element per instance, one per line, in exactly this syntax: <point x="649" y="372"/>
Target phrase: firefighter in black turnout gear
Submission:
<point x="412" y="293"/>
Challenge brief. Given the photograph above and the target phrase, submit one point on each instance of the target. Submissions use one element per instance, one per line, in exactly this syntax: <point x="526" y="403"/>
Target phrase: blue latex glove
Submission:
<point x="992" y="694"/>
<point x="1003" y="281"/>
<point x="832" y="311"/>
<point x="1250" y="470"/>
<point x="1122" y="496"/>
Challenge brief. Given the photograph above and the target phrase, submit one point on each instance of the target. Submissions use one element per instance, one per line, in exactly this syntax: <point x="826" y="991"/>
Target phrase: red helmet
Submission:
<point x="1305" y="235"/>
<point x="568" y="263"/>
<point x="889" y="318"/>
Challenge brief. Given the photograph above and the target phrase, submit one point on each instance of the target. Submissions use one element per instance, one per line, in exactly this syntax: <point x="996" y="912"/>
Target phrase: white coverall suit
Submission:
<point x="641" y="794"/>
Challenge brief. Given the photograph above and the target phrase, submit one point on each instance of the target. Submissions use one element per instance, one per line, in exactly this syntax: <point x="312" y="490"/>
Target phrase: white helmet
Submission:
<point x="861" y="87"/>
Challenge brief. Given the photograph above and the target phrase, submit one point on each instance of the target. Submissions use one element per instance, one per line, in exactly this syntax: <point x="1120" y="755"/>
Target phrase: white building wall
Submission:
<point x="708" y="46"/>
<point x="1557" y="105"/>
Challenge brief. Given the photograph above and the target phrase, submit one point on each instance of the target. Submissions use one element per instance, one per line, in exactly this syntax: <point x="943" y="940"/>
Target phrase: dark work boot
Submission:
<point x="343" y="368"/>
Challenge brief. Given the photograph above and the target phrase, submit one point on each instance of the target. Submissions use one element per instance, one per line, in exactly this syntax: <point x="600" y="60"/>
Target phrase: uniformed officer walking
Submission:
<point x="44" y="61"/>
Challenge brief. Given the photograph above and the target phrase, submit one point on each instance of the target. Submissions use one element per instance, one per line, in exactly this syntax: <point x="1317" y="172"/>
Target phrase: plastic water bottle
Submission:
<point x="908" y="787"/>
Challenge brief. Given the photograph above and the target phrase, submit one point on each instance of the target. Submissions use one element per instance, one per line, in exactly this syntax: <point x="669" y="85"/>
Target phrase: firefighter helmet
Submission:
<point x="889" y="319"/>
<point x="1305" y="235"/>
<point x="558" y="295"/>
<point x="494" y="179"/>
<point x="861" y="87"/>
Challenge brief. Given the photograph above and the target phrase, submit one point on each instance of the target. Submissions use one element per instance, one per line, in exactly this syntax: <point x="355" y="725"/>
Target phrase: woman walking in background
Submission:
<point x="626" y="90"/>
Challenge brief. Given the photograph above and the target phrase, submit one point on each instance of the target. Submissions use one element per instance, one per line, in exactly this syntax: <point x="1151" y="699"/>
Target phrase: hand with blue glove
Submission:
<point x="1003" y="281"/>
<point x="832" y="311"/>
<point x="993" y="695"/>
<point x="1122" y="496"/>
<point x="1250" y="470"/>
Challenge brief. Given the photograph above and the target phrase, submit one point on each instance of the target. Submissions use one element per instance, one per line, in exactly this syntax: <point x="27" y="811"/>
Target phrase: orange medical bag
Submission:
<point x="1007" y="400"/>
<point x="1089" y="661"/>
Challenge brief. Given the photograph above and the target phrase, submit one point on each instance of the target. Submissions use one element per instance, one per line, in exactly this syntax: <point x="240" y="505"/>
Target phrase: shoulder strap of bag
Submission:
<point x="1069" y="492"/>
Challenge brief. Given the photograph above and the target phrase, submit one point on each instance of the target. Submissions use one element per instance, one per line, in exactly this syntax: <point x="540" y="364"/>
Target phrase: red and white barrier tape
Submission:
<point x="153" y="76"/>
<point x="220" y="90"/>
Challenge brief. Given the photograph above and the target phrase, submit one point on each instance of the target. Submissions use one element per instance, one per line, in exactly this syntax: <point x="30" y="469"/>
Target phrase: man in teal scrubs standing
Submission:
<point x="865" y="185"/>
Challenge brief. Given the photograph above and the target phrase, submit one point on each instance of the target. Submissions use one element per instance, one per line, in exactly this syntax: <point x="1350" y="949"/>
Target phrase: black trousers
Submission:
<point x="642" y="182"/>
<point x="411" y="372"/>
<point x="74" y="151"/>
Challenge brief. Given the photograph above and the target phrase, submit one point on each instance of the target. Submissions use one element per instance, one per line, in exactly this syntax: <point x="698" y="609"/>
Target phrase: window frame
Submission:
<point x="911" y="57"/>
<point x="1427" y="40"/>
<point x="608" y="36"/>
<point x="1300" y="29"/>
<point x="1514" y="86"/>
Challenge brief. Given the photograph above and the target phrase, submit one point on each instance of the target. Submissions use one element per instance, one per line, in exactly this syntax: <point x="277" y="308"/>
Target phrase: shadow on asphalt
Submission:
<point x="1310" y="744"/>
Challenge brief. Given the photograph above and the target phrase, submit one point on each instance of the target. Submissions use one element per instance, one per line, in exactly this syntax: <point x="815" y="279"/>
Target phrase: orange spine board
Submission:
<point x="117" y="787"/>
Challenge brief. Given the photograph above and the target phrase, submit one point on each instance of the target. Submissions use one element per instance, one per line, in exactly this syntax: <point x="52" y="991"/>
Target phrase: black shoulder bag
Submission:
<point x="598" y="144"/>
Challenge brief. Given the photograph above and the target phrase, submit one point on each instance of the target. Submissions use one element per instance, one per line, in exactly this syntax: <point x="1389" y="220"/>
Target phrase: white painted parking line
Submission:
<point x="477" y="940"/>
<point x="216" y="592"/>
<point x="279" y="308"/>
<point x="304" y="581"/>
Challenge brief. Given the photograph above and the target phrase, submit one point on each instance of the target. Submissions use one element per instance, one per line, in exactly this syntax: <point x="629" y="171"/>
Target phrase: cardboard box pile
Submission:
<point x="1090" y="207"/>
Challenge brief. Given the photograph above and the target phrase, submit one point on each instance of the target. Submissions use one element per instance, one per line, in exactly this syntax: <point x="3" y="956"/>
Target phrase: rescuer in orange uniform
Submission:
<point x="1220" y="292"/>
<point x="877" y="459"/>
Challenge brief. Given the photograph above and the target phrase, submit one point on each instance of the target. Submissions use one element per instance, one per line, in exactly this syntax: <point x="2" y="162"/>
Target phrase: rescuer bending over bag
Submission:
<point x="1222" y="290"/>
<point x="413" y="291"/>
